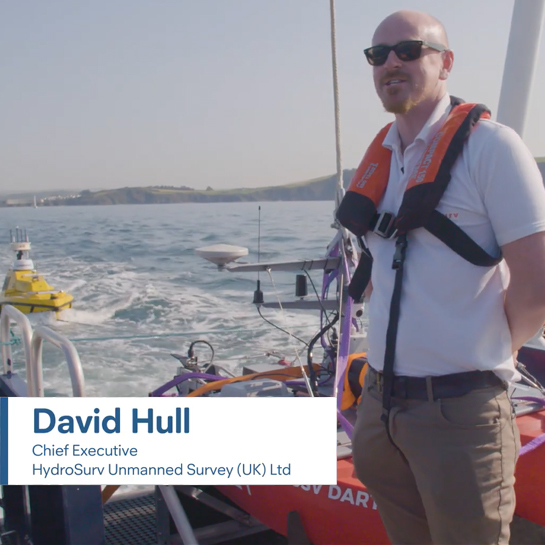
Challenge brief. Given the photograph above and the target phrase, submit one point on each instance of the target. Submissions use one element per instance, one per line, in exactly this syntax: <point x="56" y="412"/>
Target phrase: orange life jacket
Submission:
<point x="427" y="183"/>
<point x="356" y="367"/>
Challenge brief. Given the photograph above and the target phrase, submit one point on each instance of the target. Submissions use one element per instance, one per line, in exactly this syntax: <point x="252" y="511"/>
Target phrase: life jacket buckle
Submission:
<point x="399" y="254"/>
<point x="385" y="225"/>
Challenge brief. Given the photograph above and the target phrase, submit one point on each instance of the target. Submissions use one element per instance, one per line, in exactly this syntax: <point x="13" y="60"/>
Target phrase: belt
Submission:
<point x="442" y="386"/>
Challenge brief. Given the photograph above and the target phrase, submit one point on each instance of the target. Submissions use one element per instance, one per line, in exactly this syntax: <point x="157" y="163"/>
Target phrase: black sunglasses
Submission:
<point x="409" y="50"/>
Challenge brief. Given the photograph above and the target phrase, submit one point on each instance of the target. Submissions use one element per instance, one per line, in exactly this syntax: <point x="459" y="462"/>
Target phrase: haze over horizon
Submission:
<point x="220" y="93"/>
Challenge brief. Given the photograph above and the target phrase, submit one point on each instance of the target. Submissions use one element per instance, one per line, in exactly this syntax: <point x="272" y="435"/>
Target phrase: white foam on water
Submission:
<point x="74" y="285"/>
<point x="122" y="295"/>
<point x="42" y="318"/>
<point x="85" y="317"/>
<point x="135" y="366"/>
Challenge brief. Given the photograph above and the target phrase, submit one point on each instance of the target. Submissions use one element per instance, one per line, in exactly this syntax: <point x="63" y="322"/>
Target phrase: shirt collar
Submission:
<point x="392" y="140"/>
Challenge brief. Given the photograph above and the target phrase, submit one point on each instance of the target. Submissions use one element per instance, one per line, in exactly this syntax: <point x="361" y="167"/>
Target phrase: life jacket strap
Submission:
<point x="459" y="241"/>
<point x="438" y="225"/>
<point x="362" y="274"/>
<point x="391" y="333"/>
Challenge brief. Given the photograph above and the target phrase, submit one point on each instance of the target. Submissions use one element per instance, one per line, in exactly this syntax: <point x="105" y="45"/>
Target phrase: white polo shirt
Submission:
<point x="452" y="315"/>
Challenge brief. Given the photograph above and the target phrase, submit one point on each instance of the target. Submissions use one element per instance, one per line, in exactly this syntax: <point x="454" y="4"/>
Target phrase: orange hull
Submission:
<point x="530" y="473"/>
<point x="342" y="514"/>
<point x="345" y="514"/>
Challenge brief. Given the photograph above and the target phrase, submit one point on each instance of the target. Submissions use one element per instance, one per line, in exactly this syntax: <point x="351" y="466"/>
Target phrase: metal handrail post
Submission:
<point x="11" y="313"/>
<point x="178" y="515"/>
<point x="42" y="333"/>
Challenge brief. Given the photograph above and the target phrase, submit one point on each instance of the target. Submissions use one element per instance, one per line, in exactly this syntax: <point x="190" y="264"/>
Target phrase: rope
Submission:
<point x="532" y="445"/>
<point x="340" y="186"/>
<point x="17" y="340"/>
<point x="155" y="335"/>
<point x="297" y="357"/>
<point x="14" y="340"/>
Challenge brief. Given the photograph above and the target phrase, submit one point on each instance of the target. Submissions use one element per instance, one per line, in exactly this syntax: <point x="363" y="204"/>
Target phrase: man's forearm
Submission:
<point x="525" y="295"/>
<point x="525" y="315"/>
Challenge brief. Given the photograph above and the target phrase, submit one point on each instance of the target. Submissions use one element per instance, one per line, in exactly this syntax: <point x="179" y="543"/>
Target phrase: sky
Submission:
<point x="219" y="93"/>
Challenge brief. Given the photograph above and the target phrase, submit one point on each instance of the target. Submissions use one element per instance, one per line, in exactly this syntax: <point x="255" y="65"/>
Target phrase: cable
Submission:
<point x="279" y="328"/>
<point x="191" y="353"/>
<point x="318" y="297"/>
<point x="297" y="356"/>
<point x="312" y="375"/>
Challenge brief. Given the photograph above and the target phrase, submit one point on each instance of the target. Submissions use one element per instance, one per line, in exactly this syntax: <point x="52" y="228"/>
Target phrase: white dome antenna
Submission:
<point x="221" y="254"/>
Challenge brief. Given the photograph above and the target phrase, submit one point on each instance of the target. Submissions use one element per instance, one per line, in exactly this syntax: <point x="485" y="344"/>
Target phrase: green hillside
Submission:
<point x="319" y="189"/>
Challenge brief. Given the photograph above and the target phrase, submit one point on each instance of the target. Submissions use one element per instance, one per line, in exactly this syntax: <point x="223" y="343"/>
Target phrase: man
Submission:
<point x="439" y="458"/>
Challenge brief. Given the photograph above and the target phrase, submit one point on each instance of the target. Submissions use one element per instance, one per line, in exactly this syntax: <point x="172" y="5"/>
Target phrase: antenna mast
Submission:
<point x="258" y="294"/>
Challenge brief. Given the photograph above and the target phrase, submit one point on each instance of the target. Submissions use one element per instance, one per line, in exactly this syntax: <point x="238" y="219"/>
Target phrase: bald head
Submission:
<point x="413" y="25"/>
<point x="410" y="78"/>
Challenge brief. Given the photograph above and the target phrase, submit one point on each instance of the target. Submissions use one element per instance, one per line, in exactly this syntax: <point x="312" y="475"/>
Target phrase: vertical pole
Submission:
<point x="520" y="63"/>
<point x="340" y="189"/>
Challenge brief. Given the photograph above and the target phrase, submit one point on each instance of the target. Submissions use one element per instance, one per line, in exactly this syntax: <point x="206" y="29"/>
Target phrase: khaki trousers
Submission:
<point x="449" y="476"/>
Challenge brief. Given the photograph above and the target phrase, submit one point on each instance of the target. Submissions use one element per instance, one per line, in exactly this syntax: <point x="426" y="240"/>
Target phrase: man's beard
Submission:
<point x="399" y="107"/>
<point x="393" y="106"/>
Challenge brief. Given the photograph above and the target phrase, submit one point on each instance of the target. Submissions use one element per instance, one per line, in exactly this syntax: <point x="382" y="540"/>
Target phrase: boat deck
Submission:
<point x="133" y="518"/>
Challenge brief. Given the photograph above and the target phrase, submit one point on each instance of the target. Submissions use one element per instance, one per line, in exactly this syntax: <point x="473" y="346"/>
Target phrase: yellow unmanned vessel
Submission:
<point x="24" y="288"/>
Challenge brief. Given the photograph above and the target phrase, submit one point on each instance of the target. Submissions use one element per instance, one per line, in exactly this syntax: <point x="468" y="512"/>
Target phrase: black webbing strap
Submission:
<point x="447" y="232"/>
<point x="459" y="241"/>
<point x="391" y="333"/>
<point x="362" y="274"/>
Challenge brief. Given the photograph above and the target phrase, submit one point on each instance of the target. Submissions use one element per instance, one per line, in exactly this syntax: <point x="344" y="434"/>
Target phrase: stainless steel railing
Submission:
<point x="32" y="341"/>
<point x="43" y="333"/>
<point x="10" y="313"/>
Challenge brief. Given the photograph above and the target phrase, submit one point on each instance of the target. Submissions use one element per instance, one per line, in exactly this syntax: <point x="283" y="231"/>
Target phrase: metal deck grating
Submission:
<point x="131" y="521"/>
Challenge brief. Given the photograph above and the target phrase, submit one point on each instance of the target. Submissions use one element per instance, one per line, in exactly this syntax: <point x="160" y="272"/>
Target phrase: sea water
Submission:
<point x="133" y="272"/>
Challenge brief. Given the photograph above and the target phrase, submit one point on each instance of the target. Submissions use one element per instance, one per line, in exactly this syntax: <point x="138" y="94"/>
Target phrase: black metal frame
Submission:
<point x="50" y="515"/>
